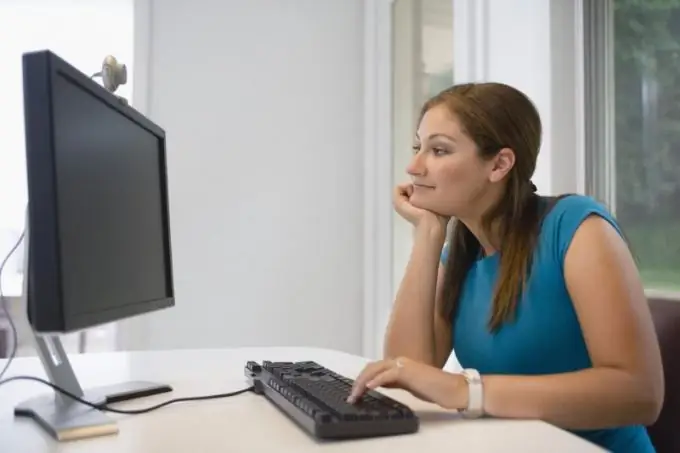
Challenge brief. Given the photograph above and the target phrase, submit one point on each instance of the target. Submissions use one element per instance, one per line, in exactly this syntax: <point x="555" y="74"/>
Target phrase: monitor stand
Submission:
<point x="61" y="416"/>
<point x="67" y="419"/>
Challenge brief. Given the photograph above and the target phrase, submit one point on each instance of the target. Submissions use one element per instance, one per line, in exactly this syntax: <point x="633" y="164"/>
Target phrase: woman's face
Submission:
<point x="449" y="176"/>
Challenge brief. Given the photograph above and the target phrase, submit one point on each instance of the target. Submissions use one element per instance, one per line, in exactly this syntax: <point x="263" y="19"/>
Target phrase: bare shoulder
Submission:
<point x="601" y="274"/>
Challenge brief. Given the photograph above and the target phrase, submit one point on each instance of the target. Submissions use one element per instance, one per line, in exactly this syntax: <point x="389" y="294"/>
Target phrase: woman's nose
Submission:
<point x="417" y="165"/>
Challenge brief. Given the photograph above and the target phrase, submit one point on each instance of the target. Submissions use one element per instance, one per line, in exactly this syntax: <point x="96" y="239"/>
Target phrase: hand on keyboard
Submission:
<point x="426" y="382"/>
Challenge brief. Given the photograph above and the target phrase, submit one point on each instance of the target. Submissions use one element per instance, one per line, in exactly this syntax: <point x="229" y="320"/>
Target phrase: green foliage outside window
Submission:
<point x="647" y="97"/>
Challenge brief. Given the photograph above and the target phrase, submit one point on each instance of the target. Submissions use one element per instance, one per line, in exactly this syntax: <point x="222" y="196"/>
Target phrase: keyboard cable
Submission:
<point x="104" y="407"/>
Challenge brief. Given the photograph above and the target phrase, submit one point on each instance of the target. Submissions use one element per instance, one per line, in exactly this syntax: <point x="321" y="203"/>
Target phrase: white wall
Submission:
<point x="262" y="101"/>
<point x="262" y="75"/>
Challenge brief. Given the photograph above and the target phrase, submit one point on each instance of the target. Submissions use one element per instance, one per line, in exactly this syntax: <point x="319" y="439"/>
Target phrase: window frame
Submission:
<point x="600" y="111"/>
<point x="378" y="83"/>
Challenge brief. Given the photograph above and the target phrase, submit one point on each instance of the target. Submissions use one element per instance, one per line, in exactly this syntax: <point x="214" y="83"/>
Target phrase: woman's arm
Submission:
<point x="415" y="329"/>
<point x="625" y="385"/>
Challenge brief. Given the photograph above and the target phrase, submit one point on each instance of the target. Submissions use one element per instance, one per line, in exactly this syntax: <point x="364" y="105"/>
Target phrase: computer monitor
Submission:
<point x="97" y="239"/>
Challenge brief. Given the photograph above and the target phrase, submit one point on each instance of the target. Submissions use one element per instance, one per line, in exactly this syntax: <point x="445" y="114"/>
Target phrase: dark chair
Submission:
<point x="665" y="433"/>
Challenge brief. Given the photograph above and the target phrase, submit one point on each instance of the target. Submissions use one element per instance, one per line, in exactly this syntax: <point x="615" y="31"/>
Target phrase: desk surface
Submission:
<point x="247" y="422"/>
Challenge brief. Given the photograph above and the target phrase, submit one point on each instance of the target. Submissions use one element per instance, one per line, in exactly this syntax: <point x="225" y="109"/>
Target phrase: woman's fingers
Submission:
<point x="403" y="191"/>
<point x="367" y="374"/>
<point x="376" y="374"/>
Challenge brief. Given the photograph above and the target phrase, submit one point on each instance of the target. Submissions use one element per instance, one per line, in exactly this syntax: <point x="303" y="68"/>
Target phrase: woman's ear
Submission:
<point x="502" y="163"/>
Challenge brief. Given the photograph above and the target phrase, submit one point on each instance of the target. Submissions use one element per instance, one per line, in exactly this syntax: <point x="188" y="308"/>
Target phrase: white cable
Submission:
<point x="3" y="305"/>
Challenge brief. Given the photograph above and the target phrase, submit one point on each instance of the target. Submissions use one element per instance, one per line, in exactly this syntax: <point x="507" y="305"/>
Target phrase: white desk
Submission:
<point x="247" y="422"/>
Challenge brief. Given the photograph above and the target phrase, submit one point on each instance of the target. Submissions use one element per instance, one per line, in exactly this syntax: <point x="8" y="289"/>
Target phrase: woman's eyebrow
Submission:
<point x="438" y="135"/>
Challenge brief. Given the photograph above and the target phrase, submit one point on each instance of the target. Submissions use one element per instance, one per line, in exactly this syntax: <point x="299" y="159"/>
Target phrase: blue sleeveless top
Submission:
<point x="546" y="336"/>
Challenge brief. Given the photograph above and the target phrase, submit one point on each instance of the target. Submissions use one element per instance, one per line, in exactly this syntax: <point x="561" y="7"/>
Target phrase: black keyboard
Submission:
<point x="315" y="397"/>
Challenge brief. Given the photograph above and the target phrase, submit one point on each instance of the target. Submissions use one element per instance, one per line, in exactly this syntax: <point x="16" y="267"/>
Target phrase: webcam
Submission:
<point x="113" y="74"/>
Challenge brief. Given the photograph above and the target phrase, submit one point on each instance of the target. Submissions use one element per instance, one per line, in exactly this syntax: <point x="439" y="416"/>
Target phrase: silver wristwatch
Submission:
<point x="475" y="407"/>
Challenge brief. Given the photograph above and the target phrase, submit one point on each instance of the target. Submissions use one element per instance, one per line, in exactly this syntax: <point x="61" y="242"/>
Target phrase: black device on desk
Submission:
<point x="97" y="238"/>
<point x="315" y="397"/>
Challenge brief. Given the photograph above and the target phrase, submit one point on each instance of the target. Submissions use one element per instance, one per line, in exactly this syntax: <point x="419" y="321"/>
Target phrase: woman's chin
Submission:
<point x="421" y="202"/>
<point x="424" y="202"/>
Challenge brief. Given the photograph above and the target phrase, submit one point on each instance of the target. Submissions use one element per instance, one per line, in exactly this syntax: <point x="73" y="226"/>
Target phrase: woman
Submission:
<point x="539" y="297"/>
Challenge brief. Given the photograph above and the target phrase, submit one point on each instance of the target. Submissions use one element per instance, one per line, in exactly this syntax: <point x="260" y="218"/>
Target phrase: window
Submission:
<point x="633" y="69"/>
<point x="82" y="33"/>
<point x="422" y="56"/>
<point x="422" y="50"/>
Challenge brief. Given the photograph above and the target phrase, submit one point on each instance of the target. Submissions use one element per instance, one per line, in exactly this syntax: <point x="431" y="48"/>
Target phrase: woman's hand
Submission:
<point x="426" y="382"/>
<point x="416" y="216"/>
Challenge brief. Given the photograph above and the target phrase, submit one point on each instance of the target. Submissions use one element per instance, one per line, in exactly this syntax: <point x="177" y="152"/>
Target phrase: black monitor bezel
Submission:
<point x="47" y="310"/>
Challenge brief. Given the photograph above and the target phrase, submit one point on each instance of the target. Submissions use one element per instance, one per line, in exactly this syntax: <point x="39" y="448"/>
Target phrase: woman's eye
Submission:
<point x="416" y="148"/>
<point x="438" y="151"/>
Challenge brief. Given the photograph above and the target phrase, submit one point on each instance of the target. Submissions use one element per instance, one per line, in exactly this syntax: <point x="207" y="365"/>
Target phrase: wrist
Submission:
<point x="463" y="393"/>
<point x="456" y="392"/>
<point x="432" y="229"/>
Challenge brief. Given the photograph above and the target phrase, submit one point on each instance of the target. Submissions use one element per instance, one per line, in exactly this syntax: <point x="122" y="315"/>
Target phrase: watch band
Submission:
<point x="475" y="407"/>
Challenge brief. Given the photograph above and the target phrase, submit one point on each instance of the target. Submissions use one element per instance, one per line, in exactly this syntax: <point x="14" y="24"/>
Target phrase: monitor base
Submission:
<point x="66" y="419"/>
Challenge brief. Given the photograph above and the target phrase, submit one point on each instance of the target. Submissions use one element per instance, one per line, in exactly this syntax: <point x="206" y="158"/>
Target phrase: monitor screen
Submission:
<point x="103" y="214"/>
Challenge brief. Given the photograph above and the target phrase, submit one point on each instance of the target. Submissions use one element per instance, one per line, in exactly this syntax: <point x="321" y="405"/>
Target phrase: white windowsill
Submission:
<point x="662" y="294"/>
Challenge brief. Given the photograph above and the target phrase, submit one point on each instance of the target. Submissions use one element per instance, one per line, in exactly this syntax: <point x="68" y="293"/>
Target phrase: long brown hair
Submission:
<point x="496" y="116"/>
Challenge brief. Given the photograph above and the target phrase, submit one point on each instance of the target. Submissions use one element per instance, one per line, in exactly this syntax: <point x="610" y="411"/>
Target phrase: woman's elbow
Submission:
<point x="651" y="403"/>
<point x="649" y="414"/>
<point x="641" y="398"/>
